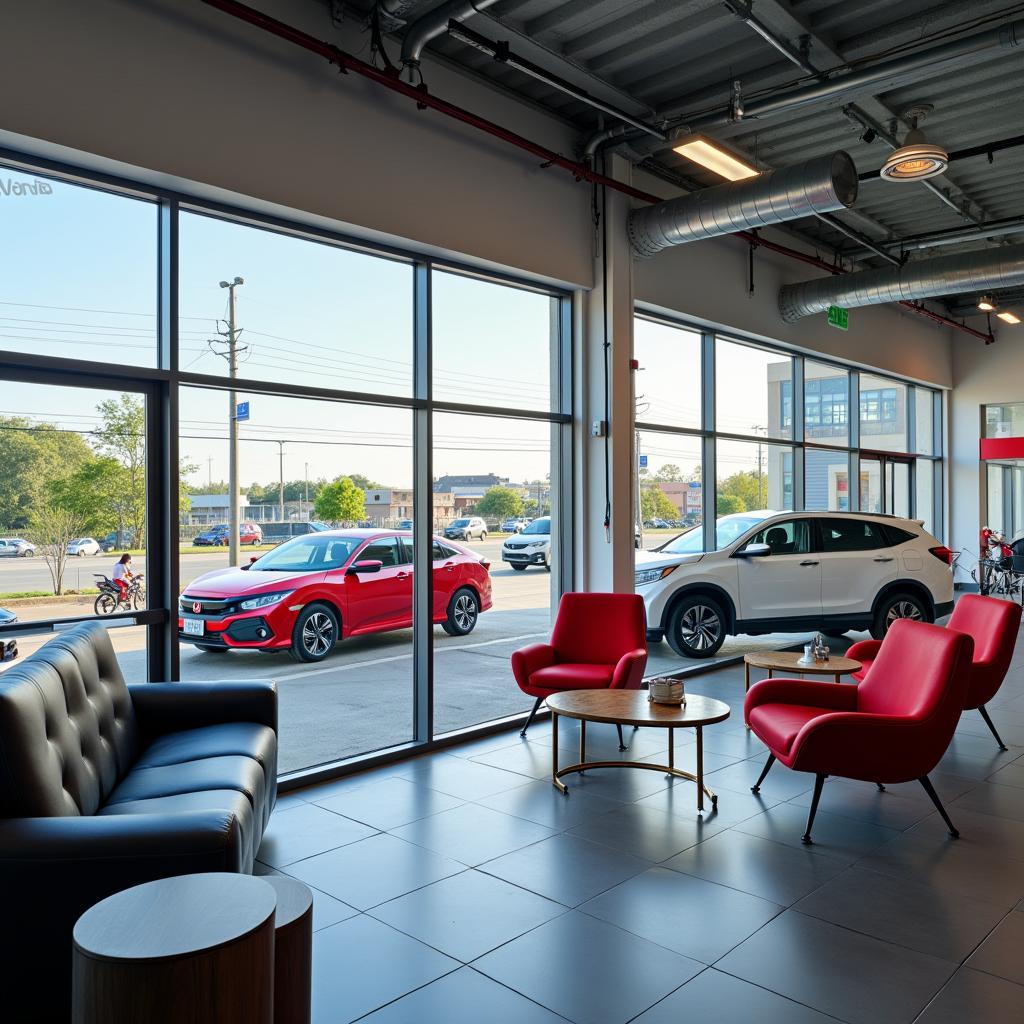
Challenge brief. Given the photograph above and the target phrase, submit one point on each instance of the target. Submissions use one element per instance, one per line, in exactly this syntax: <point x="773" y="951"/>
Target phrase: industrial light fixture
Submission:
<point x="917" y="158"/>
<point x="987" y="303"/>
<point x="716" y="159"/>
<point x="1008" y="317"/>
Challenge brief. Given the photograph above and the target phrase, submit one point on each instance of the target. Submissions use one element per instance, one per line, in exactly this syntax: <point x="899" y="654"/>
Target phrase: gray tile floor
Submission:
<point x="461" y="887"/>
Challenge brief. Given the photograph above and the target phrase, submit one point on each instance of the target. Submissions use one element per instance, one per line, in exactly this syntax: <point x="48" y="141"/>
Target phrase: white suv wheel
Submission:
<point x="696" y="627"/>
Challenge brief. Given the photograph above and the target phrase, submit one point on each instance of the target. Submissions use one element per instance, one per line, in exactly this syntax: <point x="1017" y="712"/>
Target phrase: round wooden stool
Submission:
<point x="193" y="948"/>
<point x="293" y="950"/>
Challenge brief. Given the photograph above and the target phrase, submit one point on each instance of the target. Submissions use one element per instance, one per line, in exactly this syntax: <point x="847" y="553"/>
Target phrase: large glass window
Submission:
<point x="753" y="475"/>
<point x="671" y="485"/>
<point x="753" y="390"/>
<point x="493" y="344"/>
<point x="320" y="597"/>
<point x="668" y="384"/>
<point x="826" y="403"/>
<point x="883" y="414"/>
<point x="924" y="416"/>
<point x="826" y="480"/>
<point x="497" y="577"/>
<point x="78" y="271"/>
<point x="304" y="312"/>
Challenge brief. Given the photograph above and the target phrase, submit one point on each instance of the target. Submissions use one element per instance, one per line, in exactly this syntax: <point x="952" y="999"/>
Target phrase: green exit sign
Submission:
<point x="839" y="317"/>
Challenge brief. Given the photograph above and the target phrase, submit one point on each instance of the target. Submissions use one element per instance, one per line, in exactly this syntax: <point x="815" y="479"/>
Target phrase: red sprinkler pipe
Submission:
<point x="346" y="63"/>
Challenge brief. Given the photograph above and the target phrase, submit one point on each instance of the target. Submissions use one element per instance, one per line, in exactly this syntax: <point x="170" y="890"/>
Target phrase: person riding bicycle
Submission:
<point x="123" y="574"/>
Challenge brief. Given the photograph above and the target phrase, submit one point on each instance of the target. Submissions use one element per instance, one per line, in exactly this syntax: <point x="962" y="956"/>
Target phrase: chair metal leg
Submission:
<point x="881" y="788"/>
<point x="622" y="742"/>
<point x="930" y="790"/>
<point x="756" y="787"/>
<point x="533" y="711"/>
<point x="819" y="781"/>
<point x="992" y="728"/>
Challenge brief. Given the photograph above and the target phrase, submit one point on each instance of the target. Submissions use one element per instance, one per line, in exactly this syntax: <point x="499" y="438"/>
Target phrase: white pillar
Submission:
<point x="604" y="556"/>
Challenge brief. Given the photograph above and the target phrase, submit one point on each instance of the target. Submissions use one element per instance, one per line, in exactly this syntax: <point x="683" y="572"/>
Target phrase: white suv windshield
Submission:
<point x="727" y="529"/>
<point x="539" y="526"/>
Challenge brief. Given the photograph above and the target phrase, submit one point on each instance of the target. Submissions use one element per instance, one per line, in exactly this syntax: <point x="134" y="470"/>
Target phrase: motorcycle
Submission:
<point x="111" y="598"/>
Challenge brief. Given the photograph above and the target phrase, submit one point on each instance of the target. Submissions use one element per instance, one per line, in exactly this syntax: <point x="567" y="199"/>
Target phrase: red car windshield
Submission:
<point x="311" y="553"/>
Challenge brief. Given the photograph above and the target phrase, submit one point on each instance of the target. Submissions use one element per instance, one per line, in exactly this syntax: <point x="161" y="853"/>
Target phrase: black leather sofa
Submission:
<point x="104" y="785"/>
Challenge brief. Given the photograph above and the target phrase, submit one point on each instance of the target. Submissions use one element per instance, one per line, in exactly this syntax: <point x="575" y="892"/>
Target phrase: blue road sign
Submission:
<point x="643" y="461"/>
<point x="242" y="411"/>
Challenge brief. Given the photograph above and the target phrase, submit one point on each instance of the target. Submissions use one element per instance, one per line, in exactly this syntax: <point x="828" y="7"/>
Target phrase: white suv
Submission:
<point x="792" y="572"/>
<point x="531" y="547"/>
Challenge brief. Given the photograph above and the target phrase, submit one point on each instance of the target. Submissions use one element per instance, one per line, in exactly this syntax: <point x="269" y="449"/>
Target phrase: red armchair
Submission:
<point x="993" y="626"/>
<point x="892" y="727"/>
<point x="599" y="642"/>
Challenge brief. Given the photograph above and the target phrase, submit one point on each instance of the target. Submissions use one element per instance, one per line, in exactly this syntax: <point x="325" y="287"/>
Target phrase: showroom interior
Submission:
<point x="418" y="416"/>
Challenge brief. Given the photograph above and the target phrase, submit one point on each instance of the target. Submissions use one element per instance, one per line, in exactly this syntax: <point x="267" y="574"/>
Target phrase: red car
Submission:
<point x="311" y="591"/>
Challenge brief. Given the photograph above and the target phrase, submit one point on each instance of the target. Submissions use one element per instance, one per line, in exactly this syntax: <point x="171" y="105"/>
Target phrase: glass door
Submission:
<point x="885" y="484"/>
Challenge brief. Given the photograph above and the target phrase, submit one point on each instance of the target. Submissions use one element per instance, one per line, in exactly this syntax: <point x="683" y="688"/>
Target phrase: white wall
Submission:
<point x="186" y="91"/>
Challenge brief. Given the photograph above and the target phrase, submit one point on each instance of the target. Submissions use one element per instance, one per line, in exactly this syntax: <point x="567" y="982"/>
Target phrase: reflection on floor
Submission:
<point x="461" y="887"/>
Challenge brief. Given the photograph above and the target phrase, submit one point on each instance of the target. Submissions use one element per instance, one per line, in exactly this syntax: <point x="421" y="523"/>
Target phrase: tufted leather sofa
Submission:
<point x="104" y="785"/>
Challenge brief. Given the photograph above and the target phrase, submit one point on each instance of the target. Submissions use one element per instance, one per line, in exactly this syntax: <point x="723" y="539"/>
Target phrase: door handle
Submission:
<point x="402" y="575"/>
<point x="809" y="561"/>
<point x="881" y="559"/>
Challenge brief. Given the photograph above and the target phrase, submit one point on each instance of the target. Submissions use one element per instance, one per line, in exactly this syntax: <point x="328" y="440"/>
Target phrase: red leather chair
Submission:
<point x="599" y="642"/>
<point x="993" y="625"/>
<point x="892" y="727"/>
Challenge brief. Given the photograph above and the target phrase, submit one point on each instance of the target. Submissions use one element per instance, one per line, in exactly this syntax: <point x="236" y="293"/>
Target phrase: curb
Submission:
<point x="30" y="602"/>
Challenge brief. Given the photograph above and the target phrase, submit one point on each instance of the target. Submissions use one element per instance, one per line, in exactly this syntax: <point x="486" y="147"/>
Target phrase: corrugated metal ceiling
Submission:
<point x="670" y="57"/>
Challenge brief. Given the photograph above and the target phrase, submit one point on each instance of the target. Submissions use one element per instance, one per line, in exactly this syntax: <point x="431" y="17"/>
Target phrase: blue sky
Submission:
<point x="78" y="279"/>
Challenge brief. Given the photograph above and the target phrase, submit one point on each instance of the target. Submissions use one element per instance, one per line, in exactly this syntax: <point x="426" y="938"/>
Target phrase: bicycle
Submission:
<point x="996" y="578"/>
<point x="112" y="600"/>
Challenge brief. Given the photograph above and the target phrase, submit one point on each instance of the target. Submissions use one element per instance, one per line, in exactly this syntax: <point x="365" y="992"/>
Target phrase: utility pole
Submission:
<point x="306" y="502"/>
<point x="280" y="480"/>
<point x="757" y="428"/>
<point x="230" y="353"/>
<point x="209" y="470"/>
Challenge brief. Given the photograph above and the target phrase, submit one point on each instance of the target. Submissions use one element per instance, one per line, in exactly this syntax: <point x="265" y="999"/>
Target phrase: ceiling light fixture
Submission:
<point x="1008" y="318"/>
<point x="987" y="303"/>
<point x="717" y="160"/>
<point x="917" y="158"/>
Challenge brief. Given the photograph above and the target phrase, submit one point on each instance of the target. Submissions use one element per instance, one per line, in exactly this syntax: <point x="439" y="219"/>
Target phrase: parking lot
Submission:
<point x="361" y="697"/>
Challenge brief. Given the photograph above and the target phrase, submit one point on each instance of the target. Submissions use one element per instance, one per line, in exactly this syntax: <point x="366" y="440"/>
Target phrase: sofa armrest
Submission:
<point x="863" y="650"/>
<point x="530" y="659"/>
<point x="629" y="672"/>
<point x="162" y="708"/>
<point x="800" y="691"/>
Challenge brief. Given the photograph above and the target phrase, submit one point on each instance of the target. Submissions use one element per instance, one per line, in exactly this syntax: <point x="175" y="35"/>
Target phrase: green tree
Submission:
<point x="122" y="436"/>
<point x="32" y="455"/>
<point x="747" y="485"/>
<point x="655" y="504"/>
<point x="340" y="501"/>
<point x="53" y="528"/>
<point x="500" y="503"/>
<point x="670" y="473"/>
<point x="726" y="504"/>
<point x="365" y="483"/>
<point x="98" y="494"/>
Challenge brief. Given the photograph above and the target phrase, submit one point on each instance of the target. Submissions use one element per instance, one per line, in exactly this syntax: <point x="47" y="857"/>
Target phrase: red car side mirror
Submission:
<point x="368" y="565"/>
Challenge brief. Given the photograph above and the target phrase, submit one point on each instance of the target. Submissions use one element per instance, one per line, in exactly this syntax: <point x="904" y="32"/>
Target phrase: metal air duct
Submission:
<point x="981" y="271"/>
<point x="435" y="24"/>
<point x="820" y="185"/>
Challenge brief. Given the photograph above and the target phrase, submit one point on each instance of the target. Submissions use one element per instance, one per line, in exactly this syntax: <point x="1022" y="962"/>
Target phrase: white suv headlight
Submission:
<point x="652" y="575"/>
<point x="265" y="600"/>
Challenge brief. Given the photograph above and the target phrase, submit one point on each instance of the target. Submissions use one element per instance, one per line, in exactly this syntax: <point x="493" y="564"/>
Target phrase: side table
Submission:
<point x="196" y="948"/>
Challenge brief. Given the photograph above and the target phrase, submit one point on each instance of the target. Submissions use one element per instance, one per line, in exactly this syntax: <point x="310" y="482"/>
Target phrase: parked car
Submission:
<point x="792" y="571"/>
<point x="312" y="591"/>
<point x="111" y="542"/>
<point x="656" y="524"/>
<point x="466" y="528"/>
<point x="531" y="547"/>
<point x="515" y="524"/>
<point x="248" y="533"/>
<point x="404" y="524"/>
<point x="8" y="648"/>
<point x="16" y="547"/>
<point x="83" y="546"/>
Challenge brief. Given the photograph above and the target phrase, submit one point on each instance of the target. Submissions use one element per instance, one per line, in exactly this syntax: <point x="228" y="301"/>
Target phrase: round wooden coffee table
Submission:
<point x="631" y="707"/>
<point x="788" y="662"/>
<point x="197" y="948"/>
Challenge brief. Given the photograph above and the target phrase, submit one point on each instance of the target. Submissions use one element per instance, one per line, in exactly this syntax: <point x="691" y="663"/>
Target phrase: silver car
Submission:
<point x="83" y="546"/>
<point x="16" y="547"/>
